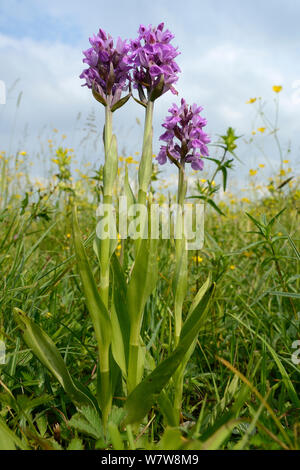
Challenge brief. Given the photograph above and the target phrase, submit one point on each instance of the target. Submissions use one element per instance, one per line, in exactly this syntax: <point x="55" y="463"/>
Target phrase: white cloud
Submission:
<point x="218" y="72"/>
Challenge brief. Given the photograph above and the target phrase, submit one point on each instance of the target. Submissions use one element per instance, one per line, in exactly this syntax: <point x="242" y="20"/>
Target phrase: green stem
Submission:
<point x="107" y="199"/>
<point x="180" y="251"/>
<point x="145" y="168"/>
<point x="107" y="133"/>
<point x="105" y="394"/>
<point x="105" y="397"/>
<point x="145" y="172"/>
<point x="180" y="289"/>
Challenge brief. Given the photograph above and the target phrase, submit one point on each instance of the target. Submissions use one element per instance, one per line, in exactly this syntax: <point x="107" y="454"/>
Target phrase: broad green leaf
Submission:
<point x="45" y="350"/>
<point x="167" y="409"/>
<point x="171" y="439"/>
<point x="198" y="297"/>
<point x="142" y="283"/>
<point x="7" y="438"/>
<point x="120" y="317"/>
<point x="143" y="279"/>
<point x="100" y="319"/>
<point x="97" y="309"/>
<point x="144" y="395"/>
<point x="195" y="303"/>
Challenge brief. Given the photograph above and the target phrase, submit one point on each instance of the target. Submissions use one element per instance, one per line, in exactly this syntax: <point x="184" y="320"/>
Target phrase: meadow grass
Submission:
<point x="241" y="385"/>
<point x="241" y="388"/>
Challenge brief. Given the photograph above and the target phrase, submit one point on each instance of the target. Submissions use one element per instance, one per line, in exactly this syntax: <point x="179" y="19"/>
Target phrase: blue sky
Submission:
<point x="230" y="51"/>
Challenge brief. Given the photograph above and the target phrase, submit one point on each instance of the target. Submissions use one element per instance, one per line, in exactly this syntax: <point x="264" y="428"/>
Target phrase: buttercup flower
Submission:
<point x="108" y="71"/>
<point x="277" y="88"/>
<point x="186" y="125"/>
<point x="152" y="58"/>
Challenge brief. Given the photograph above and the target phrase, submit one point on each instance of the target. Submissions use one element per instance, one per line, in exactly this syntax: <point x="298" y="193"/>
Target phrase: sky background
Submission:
<point x="230" y="51"/>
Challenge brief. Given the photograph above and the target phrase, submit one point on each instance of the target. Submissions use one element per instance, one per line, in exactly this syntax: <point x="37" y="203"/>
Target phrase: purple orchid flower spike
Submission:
<point x="108" y="71"/>
<point x="186" y="142"/>
<point x="152" y="57"/>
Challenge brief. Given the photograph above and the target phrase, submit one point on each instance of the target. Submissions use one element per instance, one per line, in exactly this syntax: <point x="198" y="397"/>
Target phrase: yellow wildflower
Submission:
<point x="277" y="88"/>
<point x="197" y="258"/>
<point x="261" y="129"/>
<point x="261" y="165"/>
<point x="23" y="153"/>
<point x="251" y="100"/>
<point x="130" y="160"/>
<point x="286" y="161"/>
<point x="252" y="172"/>
<point x="232" y="267"/>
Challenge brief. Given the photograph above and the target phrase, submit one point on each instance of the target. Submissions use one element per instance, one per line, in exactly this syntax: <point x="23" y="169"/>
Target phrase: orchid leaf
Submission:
<point x="145" y="394"/>
<point x="45" y="350"/>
